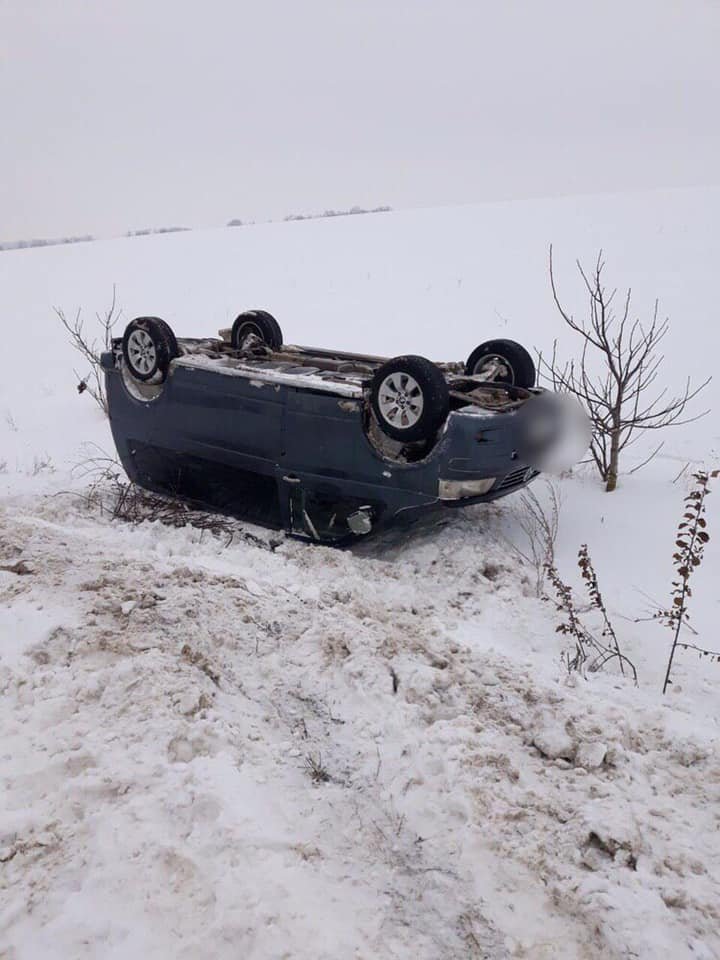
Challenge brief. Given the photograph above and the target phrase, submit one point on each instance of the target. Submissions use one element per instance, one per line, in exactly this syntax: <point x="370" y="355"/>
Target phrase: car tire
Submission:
<point x="260" y="323"/>
<point x="148" y="347"/>
<point x="410" y="398"/>
<point x="519" y="366"/>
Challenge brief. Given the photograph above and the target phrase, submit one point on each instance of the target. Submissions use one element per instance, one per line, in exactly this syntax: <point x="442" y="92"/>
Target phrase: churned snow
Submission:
<point x="266" y="749"/>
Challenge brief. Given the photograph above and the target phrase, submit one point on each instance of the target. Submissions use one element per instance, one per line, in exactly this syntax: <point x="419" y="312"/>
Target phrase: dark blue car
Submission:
<point x="325" y="444"/>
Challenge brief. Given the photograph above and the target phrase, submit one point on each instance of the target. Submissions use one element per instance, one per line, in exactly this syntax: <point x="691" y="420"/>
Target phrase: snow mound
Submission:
<point x="214" y="751"/>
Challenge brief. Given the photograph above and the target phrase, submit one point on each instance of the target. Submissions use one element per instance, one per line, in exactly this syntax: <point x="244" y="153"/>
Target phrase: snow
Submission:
<point x="266" y="749"/>
<point x="261" y="378"/>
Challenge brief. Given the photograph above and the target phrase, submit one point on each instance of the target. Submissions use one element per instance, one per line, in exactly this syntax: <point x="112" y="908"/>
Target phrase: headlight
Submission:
<point x="459" y="489"/>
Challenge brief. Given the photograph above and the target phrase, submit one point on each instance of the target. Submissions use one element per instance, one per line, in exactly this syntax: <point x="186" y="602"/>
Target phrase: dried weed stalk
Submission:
<point x="539" y="523"/>
<point x="587" y="571"/>
<point x="690" y="541"/>
<point x="111" y="494"/>
<point x="588" y="652"/>
<point x="316" y="770"/>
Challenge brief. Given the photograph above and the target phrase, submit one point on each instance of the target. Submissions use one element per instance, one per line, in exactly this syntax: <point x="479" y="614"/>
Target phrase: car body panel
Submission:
<point x="294" y="451"/>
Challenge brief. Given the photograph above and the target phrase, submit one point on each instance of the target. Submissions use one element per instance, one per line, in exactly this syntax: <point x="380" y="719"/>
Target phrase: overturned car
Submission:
<point x="325" y="444"/>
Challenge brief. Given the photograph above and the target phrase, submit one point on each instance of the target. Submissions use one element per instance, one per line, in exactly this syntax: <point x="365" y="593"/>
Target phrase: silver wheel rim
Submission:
<point x="494" y="359"/>
<point x="400" y="400"/>
<point x="141" y="351"/>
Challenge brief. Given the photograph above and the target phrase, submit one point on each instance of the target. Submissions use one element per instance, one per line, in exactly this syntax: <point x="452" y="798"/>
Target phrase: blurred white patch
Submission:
<point x="556" y="432"/>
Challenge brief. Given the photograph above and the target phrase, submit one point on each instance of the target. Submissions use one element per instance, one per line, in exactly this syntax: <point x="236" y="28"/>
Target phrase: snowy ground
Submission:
<point x="271" y="750"/>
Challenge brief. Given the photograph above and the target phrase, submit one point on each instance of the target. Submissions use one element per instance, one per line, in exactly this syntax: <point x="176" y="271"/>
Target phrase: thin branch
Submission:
<point x="652" y="456"/>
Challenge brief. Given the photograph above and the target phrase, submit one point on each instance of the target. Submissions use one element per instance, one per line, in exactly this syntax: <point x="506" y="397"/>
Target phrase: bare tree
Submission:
<point x="619" y="400"/>
<point x="90" y="349"/>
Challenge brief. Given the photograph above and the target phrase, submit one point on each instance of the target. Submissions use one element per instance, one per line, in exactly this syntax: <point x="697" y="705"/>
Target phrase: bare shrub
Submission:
<point x="42" y="464"/>
<point x="90" y="348"/>
<point x="315" y="769"/>
<point x="111" y="494"/>
<point x="622" y="401"/>
<point x="588" y="652"/>
<point x="690" y="541"/>
<point x="539" y="524"/>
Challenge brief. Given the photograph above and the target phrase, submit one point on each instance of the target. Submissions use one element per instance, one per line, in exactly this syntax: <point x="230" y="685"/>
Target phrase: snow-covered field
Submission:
<point x="266" y="749"/>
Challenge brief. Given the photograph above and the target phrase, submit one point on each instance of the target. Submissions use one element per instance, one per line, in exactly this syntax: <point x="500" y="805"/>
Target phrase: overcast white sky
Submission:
<point x="118" y="114"/>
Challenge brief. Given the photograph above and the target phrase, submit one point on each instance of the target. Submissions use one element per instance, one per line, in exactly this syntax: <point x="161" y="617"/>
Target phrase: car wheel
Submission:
<point x="410" y="398"/>
<point x="148" y="347"/>
<point x="258" y="323"/>
<point x="502" y="361"/>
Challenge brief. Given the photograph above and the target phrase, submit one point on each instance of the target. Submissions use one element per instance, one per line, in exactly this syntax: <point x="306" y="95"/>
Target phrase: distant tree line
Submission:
<point x="316" y="216"/>
<point x="149" y="231"/>
<point x="336" y="213"/>
<point x="24" y="244"/>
